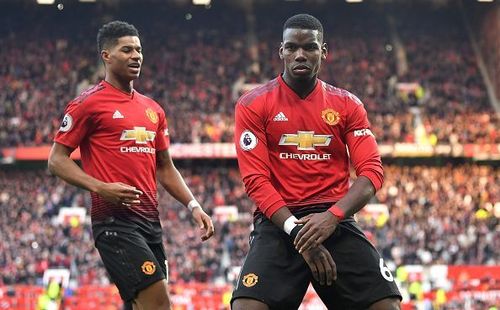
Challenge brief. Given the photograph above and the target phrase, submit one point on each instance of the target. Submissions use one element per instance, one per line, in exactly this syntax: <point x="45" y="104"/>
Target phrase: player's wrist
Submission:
<point x="295" y="231"/>
<point x="97" y="187"/>
<point x="292" y="228"/>
<point x="337" y="212"/>
<point x="289" y="224"/>
<point x="193" y="204"/>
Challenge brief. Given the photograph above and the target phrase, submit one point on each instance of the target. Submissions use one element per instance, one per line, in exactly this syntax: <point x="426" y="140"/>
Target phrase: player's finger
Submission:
<point x="304" y="231"/>
<point x="130" y="189"/>
<point x="306" y="240"/>
<point x="130" y="201"/>
<point x="125" y="194"/>
<point x="301" y="232"/>
<point x="304" y="220"/>
<point x="321" y="270"/>
<point x="314" y="270"/>
<point x="314" y="241"/>
<point x="211" y="228"/>
<point x="133" y="191"/>
<point x="332" y="264"/>
<point x="311" y="243"/>
<point x="328" y="271"/>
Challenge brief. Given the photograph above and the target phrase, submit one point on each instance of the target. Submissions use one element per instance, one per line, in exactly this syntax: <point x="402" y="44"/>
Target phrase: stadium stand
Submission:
<point x="420" y="83"/>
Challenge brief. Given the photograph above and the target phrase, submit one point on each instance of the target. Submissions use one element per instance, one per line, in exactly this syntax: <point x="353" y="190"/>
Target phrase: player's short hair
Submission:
<point x="109" y="33"/>
<point x="304" y="21"/>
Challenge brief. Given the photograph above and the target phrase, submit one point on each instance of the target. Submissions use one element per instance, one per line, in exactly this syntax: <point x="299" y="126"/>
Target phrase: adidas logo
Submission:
<point x="280" y="117"/>
<point x="117" y="114"/>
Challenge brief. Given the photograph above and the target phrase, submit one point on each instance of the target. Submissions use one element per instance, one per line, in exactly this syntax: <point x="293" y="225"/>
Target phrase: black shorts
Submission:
<point x="132" y="261"/>
<point x="276" y="274"/>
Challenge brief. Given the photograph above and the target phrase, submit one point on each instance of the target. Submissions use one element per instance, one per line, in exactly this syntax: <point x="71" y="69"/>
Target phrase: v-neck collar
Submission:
<point x="292" y="93"/>
<point x="119" y="91"/>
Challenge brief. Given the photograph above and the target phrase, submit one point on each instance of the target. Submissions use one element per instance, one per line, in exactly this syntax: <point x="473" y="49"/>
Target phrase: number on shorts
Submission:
<point x="386" y="273"/>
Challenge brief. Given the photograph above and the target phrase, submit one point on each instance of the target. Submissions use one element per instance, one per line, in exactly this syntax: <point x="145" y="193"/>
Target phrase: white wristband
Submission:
<point x="193" y="204"/>
<point x="289" y="224"/>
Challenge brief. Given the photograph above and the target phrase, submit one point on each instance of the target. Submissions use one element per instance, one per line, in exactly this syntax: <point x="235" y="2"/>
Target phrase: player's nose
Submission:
<point x="136" y="56"/>
<point x="300" y="55"/>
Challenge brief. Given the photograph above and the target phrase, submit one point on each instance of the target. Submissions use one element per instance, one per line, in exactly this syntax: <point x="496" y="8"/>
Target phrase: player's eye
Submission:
<point x="311" y="47"/>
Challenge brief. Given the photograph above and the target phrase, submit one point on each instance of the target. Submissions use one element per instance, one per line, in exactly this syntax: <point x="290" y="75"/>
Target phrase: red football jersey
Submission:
<point x="294" y="152"/>
<point x="119" y="135"/>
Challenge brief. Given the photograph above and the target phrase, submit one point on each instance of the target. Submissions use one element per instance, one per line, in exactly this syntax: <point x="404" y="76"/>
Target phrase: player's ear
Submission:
<point x="324" y="50"/>
<point x="280" y="51"/>
<point x="105" y="55"/>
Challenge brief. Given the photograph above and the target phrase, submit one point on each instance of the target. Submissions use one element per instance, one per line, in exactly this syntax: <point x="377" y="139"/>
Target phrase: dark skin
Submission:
<point x="302" y="51"/>
<point x="319" y="226"/>
<point x="123" y="62"/>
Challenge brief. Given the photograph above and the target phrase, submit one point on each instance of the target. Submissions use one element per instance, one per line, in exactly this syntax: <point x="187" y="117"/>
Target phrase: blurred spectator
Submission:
<point x="425" y="204"/>
<point x="193" y="76"/>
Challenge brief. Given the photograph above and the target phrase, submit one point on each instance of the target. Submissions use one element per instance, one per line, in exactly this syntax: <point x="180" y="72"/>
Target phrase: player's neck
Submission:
<point x="301" y="87"/>
<point x="125" y="86"/>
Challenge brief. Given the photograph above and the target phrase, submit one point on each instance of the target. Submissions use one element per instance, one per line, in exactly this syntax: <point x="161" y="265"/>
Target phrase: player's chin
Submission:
<point x="303" y="77"/>
<point x="134" y="76"/>
<point x="134" y="72"/>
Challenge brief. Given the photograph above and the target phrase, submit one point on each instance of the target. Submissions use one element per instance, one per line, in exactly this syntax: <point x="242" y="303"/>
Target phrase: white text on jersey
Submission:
<point x="305" y="156"/>
<point x="362" y="132"/>
<point x="137" y="149"/>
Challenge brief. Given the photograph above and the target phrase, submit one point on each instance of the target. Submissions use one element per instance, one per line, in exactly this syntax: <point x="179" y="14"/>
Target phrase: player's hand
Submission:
<point x="120" y="193"/>
<point x="321" y="263"/>
<point x="204" y="222"/>
<point x="317" y="228"/>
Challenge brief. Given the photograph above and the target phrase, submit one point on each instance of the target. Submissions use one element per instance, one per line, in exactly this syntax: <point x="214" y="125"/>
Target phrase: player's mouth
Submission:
<point x="135" y="67"/>
<point x="301" y="69"/>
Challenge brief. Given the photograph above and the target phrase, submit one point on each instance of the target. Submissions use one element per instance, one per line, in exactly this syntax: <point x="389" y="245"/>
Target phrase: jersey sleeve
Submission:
<point x="253" y="159"/>
<point x="363" y="149"/>
<point x="162" y="136"/>
<point x="76" y="124"/>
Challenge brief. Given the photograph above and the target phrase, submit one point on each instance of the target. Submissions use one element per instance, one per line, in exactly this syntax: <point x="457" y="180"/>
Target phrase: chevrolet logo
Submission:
<point x="305" y="140"/>
<point x="139" y="134"/>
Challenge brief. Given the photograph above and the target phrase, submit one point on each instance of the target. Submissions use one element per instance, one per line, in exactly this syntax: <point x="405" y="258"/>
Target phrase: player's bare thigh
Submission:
<point x="386" y="304"/>
<point x="153" y="297"/>
<point x="248" y="304"/>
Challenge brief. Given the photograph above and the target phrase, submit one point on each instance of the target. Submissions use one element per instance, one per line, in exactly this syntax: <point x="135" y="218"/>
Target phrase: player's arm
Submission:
<point x="255" y="167"/>
<point x="319" y="226"/>
<point x="365" y="158"/>
<point x="170" y="178"/>
<point x="253" y="160"/>
<point x="77" y="124"/>
<point x="61" y="165"/>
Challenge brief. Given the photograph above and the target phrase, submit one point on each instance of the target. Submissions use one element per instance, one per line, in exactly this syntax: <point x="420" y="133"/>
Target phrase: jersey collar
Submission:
<point x="118" y="91"/>
<point x="292" y="93"/>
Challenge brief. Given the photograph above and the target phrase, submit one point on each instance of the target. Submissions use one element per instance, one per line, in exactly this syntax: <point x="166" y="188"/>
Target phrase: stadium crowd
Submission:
<point x="195" y="68"/>
<point x="425" y="203"/>
<point x="197" y="77"/>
